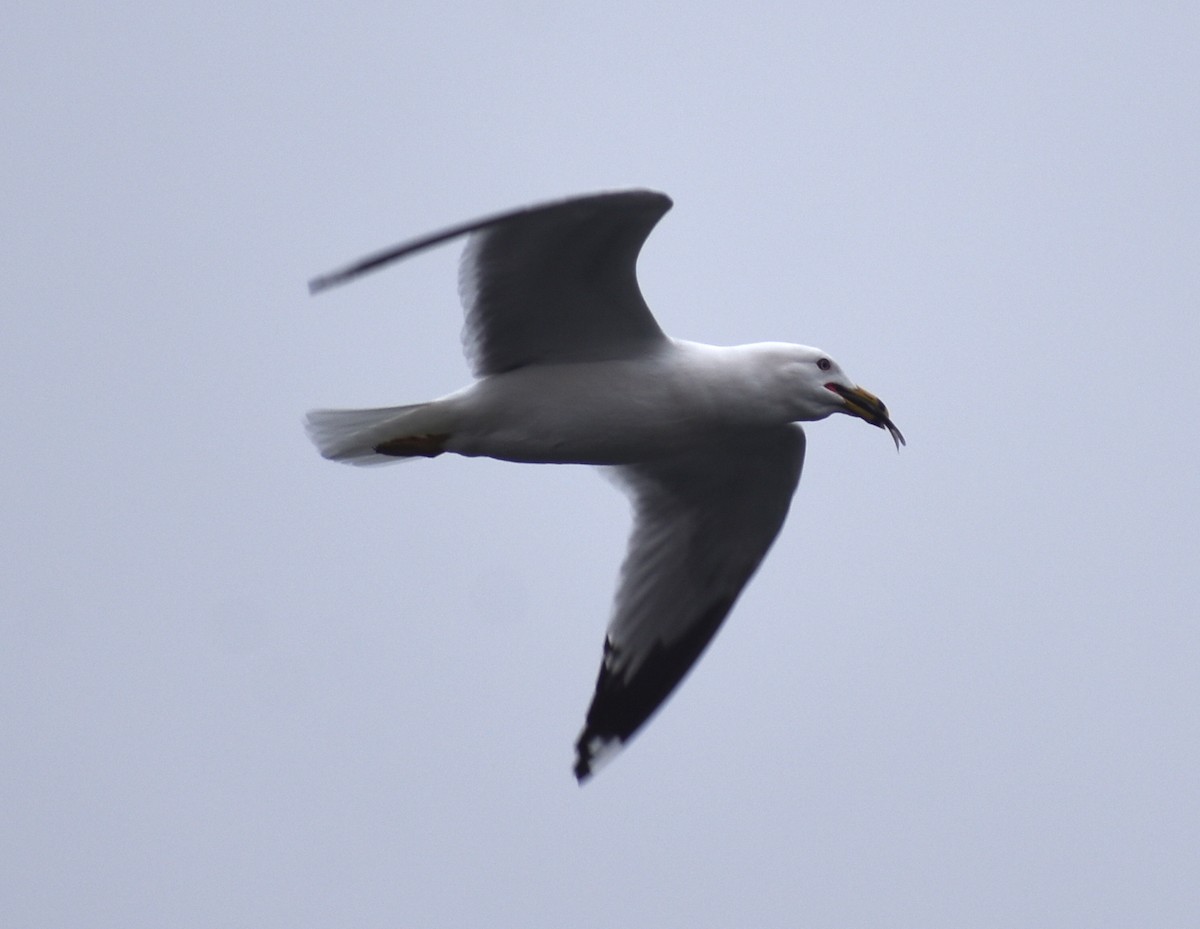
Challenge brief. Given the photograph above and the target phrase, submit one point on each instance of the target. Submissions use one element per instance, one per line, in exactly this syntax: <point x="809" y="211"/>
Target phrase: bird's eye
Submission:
<point x="824" y="364"/>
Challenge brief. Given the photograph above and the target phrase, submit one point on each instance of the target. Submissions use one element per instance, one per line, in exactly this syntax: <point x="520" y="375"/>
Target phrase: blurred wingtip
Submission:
<point x="324" y="282"/>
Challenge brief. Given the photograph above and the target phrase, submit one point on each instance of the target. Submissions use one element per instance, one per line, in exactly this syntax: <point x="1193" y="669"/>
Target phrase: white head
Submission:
<point x="817" y="387"/>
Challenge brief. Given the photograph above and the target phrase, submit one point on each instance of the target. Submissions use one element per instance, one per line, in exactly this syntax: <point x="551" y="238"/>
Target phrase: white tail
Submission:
<point x="352" y="436"/>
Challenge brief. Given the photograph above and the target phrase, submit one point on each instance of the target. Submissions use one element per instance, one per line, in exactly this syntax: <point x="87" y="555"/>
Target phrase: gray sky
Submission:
<point x="242" y="686"/>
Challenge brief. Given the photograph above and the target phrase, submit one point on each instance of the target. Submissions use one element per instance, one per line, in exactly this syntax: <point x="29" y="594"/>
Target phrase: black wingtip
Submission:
<point x="585" y="756"/>
<point x="592" y="752"/>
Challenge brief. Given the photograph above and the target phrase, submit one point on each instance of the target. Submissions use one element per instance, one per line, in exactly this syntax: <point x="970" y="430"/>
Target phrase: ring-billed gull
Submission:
<point x="572" y="367"/>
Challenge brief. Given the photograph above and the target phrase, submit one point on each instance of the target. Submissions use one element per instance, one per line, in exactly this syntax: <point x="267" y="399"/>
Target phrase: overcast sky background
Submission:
<point x="243" y="686"/>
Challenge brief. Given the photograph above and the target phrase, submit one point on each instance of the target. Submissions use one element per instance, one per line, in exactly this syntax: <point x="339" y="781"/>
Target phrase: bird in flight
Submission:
<point x="572" y="368"/>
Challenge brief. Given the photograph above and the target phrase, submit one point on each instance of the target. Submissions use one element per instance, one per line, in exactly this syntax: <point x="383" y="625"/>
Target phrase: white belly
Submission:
<point x="615" y="412"/>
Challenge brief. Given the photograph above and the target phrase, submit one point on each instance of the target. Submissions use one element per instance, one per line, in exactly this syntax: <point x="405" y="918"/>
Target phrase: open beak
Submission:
<point x="865" y="405"/>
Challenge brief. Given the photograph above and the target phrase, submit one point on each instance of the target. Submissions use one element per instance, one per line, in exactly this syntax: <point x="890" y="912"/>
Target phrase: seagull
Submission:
<point x="572" y="368"/>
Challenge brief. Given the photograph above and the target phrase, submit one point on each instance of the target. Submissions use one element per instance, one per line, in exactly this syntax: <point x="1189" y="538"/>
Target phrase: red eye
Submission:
<point x="824" y="364"/>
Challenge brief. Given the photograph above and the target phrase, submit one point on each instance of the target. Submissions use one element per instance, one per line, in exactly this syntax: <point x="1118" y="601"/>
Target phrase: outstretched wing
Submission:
<point x="702" y="525"/>
<point x="548" y="284"/>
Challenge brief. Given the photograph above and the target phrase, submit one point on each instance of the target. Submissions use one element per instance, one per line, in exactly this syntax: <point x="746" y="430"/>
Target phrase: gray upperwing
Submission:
<point x="558" y="283"/>
<point x="550" y="283"/>
<point x="703" y="524"/>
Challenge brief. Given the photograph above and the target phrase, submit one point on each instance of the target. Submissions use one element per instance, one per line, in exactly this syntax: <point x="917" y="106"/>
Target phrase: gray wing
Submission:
<point x="551" y="283"/>
<point x="702" y="525"/>
<point x="558" y="283"/>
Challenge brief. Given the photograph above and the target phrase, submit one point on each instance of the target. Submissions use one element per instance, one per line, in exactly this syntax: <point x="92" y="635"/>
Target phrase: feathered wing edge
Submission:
<point x="386" y="256"/>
